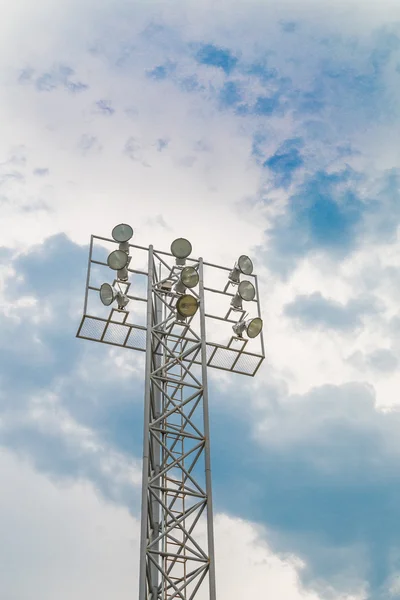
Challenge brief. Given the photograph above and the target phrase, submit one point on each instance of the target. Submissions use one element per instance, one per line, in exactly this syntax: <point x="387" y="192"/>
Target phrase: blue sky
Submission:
<point x="249" y="128"/>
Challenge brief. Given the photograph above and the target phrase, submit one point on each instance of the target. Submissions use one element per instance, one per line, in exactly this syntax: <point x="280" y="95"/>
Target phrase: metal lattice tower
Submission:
<point x="177" y="539"/>
<point x="176" y="490"/>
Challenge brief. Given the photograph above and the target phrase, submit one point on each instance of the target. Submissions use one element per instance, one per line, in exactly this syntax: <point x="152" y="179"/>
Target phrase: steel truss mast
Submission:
<point x="177" y="539"/>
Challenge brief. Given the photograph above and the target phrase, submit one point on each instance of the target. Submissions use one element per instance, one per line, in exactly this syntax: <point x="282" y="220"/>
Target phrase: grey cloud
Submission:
<point x="345" y="490"/>
<point x="89" y="143"/>
<point x="25" y="75"/>
<point x="323" y="479"/>
<point x="162" y="143"/>
<point x="158" y="221"/>
<point x="316" y="311"/>
<point x="288" y="26"/>
<point x="17" y="157"/>
<point x="11" y="177"/>
<point x="134" y="151"/>
<point x="58" y="76"/>
<point x="381" y="359"/>
<point x="324" y="467"/>
<point x="47" y="372"/>
<point x="41" y="172"/>
<point x="132" y="148"/>
<point x="105" y="108"/>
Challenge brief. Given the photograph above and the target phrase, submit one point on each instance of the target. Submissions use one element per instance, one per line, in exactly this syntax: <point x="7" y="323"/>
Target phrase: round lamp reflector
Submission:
<point x="245" y="265"/>
<point x="254" y="327"/>
<point x="181" y="248"/>
<point x="189" y="277"/>
<point x="117" y="260"/>
<point x="122" y="232"/>
<point x="246" y="290"/>
<point x="187" y="305"/>
<point x="106" y="294"/>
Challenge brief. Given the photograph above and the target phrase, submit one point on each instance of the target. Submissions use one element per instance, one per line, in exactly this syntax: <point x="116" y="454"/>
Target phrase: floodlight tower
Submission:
<point x="177" y="539"/>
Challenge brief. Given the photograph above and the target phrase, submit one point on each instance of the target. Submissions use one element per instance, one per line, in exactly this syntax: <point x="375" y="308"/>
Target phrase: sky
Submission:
<point x="249" y="127"/>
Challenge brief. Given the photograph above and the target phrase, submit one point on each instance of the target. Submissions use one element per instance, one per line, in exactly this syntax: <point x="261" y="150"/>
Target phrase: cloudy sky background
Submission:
<point x="267" y="128"/>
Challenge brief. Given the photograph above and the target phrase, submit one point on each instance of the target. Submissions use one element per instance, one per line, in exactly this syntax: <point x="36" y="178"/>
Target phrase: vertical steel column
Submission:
<point x="156" y="453"/>
<point x="210" y="525"/>
<point x="146" y="447"/>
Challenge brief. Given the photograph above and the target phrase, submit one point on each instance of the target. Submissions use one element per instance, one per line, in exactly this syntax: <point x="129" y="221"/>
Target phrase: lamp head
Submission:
<point x="181" y="248"/>
<point x="122" y="300"/>
<point x="107" y="295"/>
<point x="189" y="278"/>
<point x="246" y="291"/>
<point x="252" y="327"/>
<point x="122" y="274"/>
<point x="243" y="265"/>
<point x="117" y="260"/>
<point x="187" y="306"/>
<point x="122" y="233"/>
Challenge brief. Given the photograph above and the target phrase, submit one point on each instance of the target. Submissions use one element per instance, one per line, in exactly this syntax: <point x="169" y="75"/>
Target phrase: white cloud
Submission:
<point x="45" y="416"/>
<point x="68" y="542"/>
<point x="246" y="564"/>
<point x="90" y="193"/>
<point x="62" y="541"/>
<point x="102" y="170"/>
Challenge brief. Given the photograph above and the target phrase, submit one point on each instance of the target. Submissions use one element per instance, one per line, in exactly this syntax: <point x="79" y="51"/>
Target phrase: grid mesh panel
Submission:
<point x="116" y="333"/>
<point x="209" y="351"/>
<point x="223" y="358"/>
<point x="136" y="339"/>
<point x="117" y="315"/>
<point x="92" y="328"/>
<point x="247" y="363"/>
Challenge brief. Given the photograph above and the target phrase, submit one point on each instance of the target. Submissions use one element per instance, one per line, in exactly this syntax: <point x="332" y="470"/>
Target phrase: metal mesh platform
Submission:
<point x="126" y="335"/>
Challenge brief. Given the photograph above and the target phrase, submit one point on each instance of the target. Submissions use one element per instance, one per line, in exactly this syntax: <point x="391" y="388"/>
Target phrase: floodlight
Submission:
<point x="252" y="327"/>
<point x="243" y="265"/>
<point x="117" y="260"/>
<point x="246" y="291"/>
<point x="187" y="306"/>
<point x="122" y="274"/>
<point x="108" y="294"/>
<point x="181" y="248"/>
<point x="189" y="278"/>
<point x="122" y="232"/>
